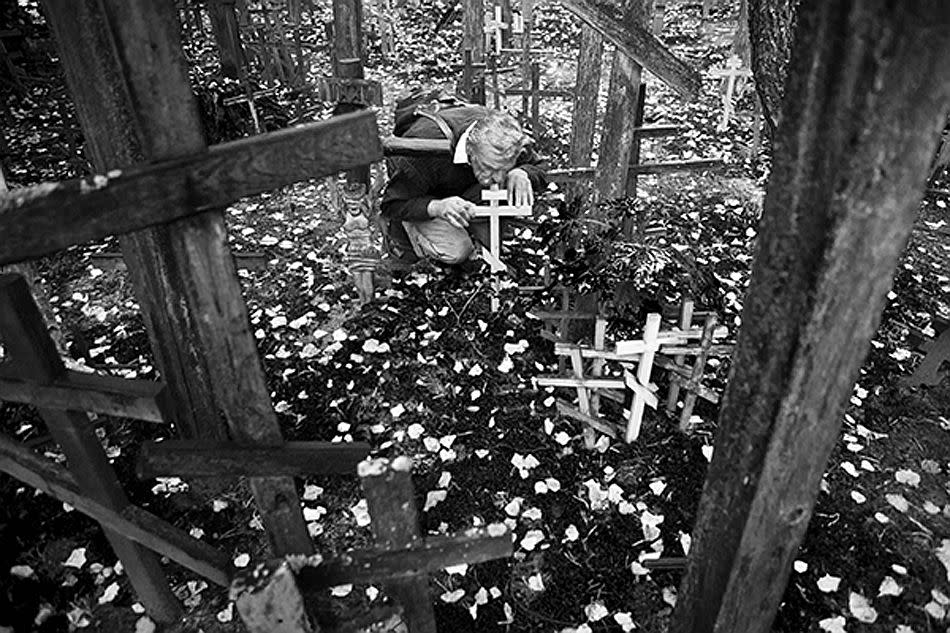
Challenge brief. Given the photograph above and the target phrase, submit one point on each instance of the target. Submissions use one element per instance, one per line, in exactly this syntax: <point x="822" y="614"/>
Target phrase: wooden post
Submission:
<point x="473" y="40"/>
<point x="633" y="222"/>
<point x="36" y="359"/>
<point x="527" y="24"/>
<point x="227" y="36"/>
<point x="618" y="129"/>
<point x="861" y="102"/>
<point x="141" y="107"/>
<point x="640" y="385"/>
<point x="686" y="321"/>
<point x="658" y="13"/>
<point x="395" y="524"/>
<point x="696" y="376"/>
<point x="586" y="91"/>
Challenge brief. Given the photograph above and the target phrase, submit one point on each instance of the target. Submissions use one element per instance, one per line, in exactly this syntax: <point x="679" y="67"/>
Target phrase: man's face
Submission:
<point x="490" y="167"/>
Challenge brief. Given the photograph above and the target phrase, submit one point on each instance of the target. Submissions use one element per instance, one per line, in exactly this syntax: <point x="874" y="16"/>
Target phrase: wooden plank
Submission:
<point x="29" y="345"/>
<point x="589" y="383"/>
<point x="644" y="370"/>
<point x="617" y="138"/>
<point x="695" y="164"/>
<point x="928" y="372"/>
<point x="686" y="321"/>
<point x="597" y="424"/>
<point x="395" y="524"/>
<point x="658" y="130"/>
<point x="632" y="37"/>
<point x="44" y="219"/>
<point x="586" y="88"/>
<point x="696" y="375"/>
<point x="204" y="458"/>
<point x="76" y="391"/>
<point x="419" y="557"/>
<point x="132" y="522"/>
<point x="831" y="235"/>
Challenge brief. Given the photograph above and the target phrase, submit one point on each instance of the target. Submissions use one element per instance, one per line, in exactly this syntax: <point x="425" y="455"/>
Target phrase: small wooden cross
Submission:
<point x="730" y="74"/>
<point x="493" y="29"/>
<point x="494" y="212"/>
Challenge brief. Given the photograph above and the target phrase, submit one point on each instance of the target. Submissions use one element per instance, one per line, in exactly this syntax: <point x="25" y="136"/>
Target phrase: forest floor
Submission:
<point x="427" y="370"/>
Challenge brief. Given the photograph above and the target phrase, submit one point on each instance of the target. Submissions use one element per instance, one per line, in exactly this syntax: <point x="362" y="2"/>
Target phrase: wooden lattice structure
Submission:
<point x="666" y="350"/>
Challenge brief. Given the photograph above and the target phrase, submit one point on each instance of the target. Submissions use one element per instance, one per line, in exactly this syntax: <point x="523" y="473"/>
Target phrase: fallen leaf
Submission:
<point x="828" y="583"/>
<point x="531" y="539"/>
<point x="452" y="596"/>
<point x="109" y="594"/>
<point x="596" y="611"/>
<point x="889" y="587"/>
<point x="341" y="591"/>
<point x="433" y="498"/>
<point x="861" y="609"/>
<point x="898" y="501"/>
<point x="625" y="620"/>
<point x="536" y="582"/>
<point x="242" y="560"/>
<point x="77" y="558"/>
<point x="907" y="477"/>
<point x="833" y="625"/>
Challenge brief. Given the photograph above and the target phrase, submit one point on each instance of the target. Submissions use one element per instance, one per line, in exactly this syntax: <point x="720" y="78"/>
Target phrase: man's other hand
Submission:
<point x="456" y="211"/>
<point x="520" y="193"/>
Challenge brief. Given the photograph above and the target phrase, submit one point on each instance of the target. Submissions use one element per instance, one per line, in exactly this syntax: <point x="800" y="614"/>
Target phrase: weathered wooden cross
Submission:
<point x="495" y="212"/>
<point x="271" y="595"/>
<point x="494" y="29"/>
<point x="730" y="74"/>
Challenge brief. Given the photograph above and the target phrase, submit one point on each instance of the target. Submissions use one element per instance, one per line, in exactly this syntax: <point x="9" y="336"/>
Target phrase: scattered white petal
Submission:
<point x="849" y="468"/>
<point x="531" y="539"/>
<point x="707" y="452"/>
<point x="858" y="497"/>
<point x="829" y="583"/>
<point x="562" y="438"/>
<point x="226" y="614"/>
<point x="532" y="514"/>
<point x="898" y="501"/>
<point x="109" y="594"/>
<point x="361" y="513"/>
<point x="625" y="620"/>
<point x="218" y="505"/>
<point x="669" y="596"/>
<point x="535" y="582"/>
<point x="657" y="487"/>
<point x="800" y="566"/>
<point x="553" y="484"/>
<point x="311" y="492"/>
<point x="880" y="517"/>
<point x="596" y="611"/>
<point x="21" y="571"/>
<point x="889" y="587"/>
<point x="686" y="541"/>
<point x="899" y="569"/>
<point x="444" y="479"/>
<point x="397" y="411"/>
<point x="571" y="533"/>
<point x="452" y="596"/>
<point x="861" y="609"/>
<point x="77" y="558"/>
<point x="907" y="477"/>
<point x="513" y="508"/>
<point x="341" y="591"/>
<point x="833" y="625"/>
<point x="144" y="625"/>
<point x="506" y="365"/>
<point x="433" y="498"/>
<point x="459" y="570"/>
<point x="242" y="560"/>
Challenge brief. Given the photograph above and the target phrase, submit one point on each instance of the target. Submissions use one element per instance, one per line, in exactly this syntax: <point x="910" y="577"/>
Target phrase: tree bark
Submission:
<point x="858" y="128"/>
<point x="771" y="29"/>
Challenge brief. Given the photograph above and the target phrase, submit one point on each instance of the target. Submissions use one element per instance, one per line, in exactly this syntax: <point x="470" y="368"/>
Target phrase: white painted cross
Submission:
<point x="730" y="74"/>
<point x="493" y="29"/>
<point x="643" y="390"/>
<point x="494" y="212"/>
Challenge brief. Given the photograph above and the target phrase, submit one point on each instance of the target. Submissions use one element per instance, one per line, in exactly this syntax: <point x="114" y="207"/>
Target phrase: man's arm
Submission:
<point x="533" y="165"/>
<point x="407" y="194"/>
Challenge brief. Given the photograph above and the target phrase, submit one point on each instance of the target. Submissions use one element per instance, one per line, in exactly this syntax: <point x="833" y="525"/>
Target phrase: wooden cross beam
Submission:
<point x="635" y="40"/>
<point x="39" y="220"/>
<point x="686" y="320"/>
<point x="197" y="458"/>
<point x="35" y="357"/>
<point x="494" y="212"/>
<point x="494" y="29"/>
<point x="692" y="385"/>
<point x="129" y="522"/>
<point x="640" y="384"/>
<point x="732" y="71"/>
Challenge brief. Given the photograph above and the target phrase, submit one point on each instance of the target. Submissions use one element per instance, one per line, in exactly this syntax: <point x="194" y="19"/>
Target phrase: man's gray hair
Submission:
<point x="499" y="131"/>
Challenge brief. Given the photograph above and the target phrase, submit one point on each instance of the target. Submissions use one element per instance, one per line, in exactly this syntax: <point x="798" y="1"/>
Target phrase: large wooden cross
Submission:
<point x="494" y="30"/>
<point x="494" y="212"/>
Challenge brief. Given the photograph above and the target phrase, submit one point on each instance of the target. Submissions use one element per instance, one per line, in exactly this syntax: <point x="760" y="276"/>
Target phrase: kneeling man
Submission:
<point x="428" y="201"/>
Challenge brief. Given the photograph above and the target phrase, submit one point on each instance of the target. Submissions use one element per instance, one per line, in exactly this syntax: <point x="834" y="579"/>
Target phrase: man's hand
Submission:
<point x="456" y="211"/>
<point x="520" y="193"/>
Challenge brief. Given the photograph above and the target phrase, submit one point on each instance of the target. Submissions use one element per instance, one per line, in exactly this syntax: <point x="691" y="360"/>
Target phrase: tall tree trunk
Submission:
<point x="771" y="29"/>
<point x="859" y="125"/>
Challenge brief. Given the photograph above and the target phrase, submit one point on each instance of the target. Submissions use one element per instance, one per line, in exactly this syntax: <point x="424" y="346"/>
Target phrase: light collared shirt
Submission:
<point x="461" y="155"/>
